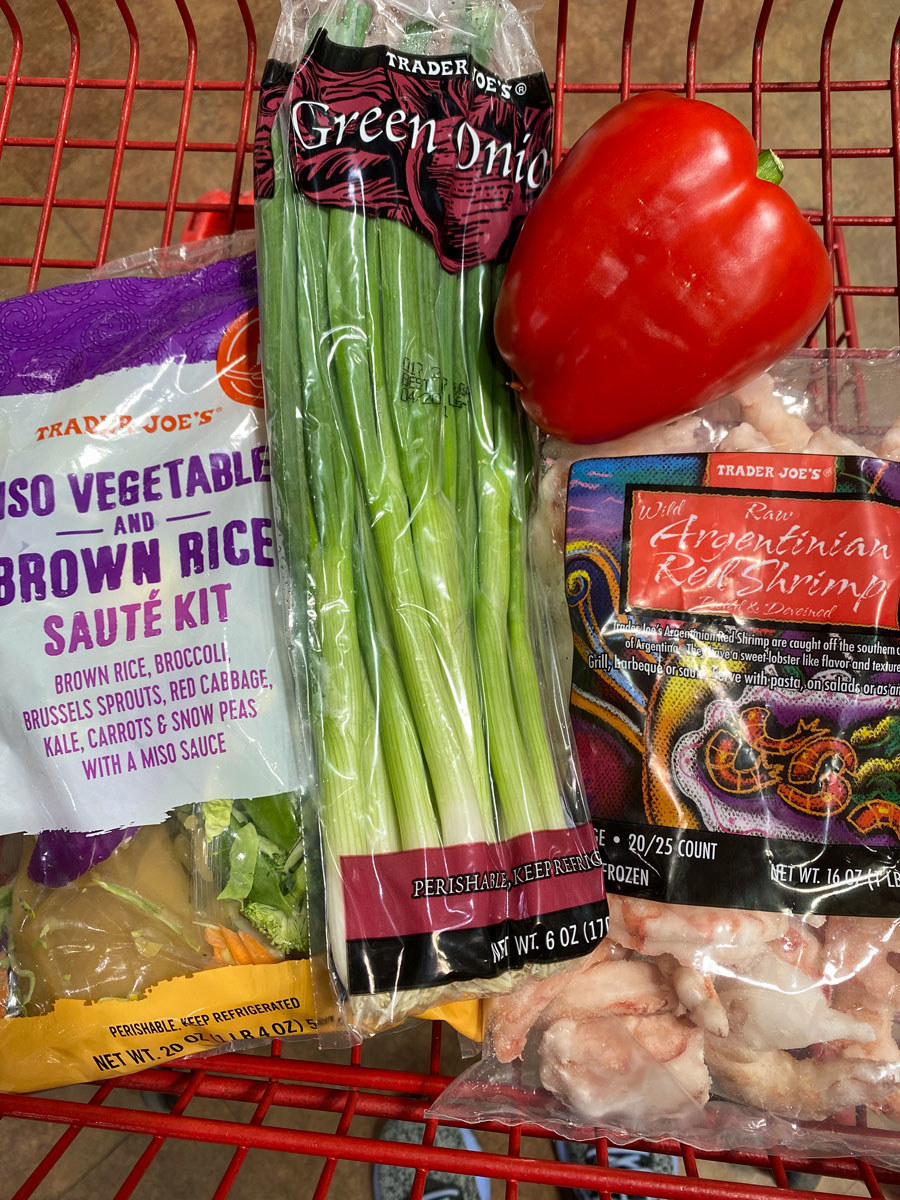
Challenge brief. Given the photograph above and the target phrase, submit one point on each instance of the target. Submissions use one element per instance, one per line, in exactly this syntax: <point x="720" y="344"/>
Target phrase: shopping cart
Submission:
<point x="93" y="188"/>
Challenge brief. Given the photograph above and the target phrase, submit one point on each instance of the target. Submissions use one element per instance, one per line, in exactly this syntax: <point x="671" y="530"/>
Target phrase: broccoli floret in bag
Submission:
<point x="285" y="928"/>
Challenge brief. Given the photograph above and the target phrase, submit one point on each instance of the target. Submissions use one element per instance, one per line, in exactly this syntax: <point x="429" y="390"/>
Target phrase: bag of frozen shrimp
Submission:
<point x="726" y="596"/>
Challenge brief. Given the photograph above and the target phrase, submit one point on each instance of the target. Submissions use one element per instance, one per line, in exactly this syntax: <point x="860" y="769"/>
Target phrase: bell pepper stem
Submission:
<point x="769" y="167"/>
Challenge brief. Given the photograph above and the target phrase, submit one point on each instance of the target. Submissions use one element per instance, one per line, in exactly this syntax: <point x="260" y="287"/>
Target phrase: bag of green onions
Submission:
<point x="399" y="149"/>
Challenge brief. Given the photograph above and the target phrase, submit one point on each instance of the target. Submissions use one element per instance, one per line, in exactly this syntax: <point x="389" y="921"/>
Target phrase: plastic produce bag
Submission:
<point x="398" y="150"/>
<point x="734" y="594"/>
<point x="145" y="690"/>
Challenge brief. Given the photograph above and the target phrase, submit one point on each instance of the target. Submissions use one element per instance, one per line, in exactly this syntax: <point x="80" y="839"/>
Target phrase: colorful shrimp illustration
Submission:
<point x="754" y="722"/>
<point x="810" y="769"/>
<point x="750" y="738"/>
<point x="874" y="816"/>
<point x="826" y="764"/>
<point x="721" y="756"/>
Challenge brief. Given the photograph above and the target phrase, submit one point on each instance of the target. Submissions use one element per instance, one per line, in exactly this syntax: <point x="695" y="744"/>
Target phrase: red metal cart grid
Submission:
<point x="267" y="1084"/>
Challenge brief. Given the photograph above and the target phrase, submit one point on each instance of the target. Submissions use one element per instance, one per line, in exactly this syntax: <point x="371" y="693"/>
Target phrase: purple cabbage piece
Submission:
<point x="60" y="857"/>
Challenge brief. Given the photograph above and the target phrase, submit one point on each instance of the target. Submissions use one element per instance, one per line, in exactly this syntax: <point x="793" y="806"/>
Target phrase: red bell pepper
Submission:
<point x="655" y="273"/>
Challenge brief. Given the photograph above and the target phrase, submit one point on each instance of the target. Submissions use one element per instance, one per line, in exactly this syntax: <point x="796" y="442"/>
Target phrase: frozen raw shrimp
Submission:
<point x="629" y="1068"/>
<point x="889" y="446"/>
<point x="743" y="438"/>
<point x="826" y="441"/>
<point x="835" y="995"/>
<point x="703" y="938"/>
<point x="768" y="425"/>
<point x="510" y="1017"/>
<point x="682" y="436"/>
<point x="762" y="409"/>
<point x="629" y="988"/>
<point x="856" y="950"/>
<point x="881" y="1045"/>
<point x="867" y="988"/>
<point x="801" y="946"/>
<point x="778" y="1006"/>
<point x="697" y="993"/>
<point x="811" y="1089"/>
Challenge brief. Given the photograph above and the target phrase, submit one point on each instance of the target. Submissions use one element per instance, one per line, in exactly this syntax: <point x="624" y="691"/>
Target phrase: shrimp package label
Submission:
<point x="736" y="684"/>
<point x="137" y="561"/>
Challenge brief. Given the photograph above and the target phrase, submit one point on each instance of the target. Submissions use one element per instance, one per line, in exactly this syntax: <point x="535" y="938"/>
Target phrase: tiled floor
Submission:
<point x="98" y="1162"/>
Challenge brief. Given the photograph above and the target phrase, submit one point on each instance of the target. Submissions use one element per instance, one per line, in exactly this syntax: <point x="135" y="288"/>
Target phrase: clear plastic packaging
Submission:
<point x="144" y="679"/>
<point x="398" y="150"/>
<point x="137" y="918"/>
<point x="732" y="584"/>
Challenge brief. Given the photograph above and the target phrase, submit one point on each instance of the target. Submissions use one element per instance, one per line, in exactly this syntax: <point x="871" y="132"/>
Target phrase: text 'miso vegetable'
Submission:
<point x="401" y="475"/>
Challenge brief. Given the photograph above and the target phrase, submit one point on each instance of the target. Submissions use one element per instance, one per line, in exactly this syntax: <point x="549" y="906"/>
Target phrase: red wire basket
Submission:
<point x="84" y="177"/>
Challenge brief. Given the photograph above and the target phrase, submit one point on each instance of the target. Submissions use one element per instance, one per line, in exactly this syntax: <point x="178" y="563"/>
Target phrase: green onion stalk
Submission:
<point x="400" y="468"/>
<point x="276" y="226"/>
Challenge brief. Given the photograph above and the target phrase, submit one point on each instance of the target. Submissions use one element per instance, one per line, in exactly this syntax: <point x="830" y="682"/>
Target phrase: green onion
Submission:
<point x="403" y="753"/>
<point x="354" y="304"/>
<point x="410" y="295"/>
<point x="522" y="665"/>
<point x="400" y="469"/>
<point x="494" y="468"/>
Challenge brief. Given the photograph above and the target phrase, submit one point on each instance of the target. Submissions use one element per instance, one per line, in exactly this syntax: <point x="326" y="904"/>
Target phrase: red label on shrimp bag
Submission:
<point x="437" y="142"/>
<point x="736" y="685"/>
<point x="752" y="555"/>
